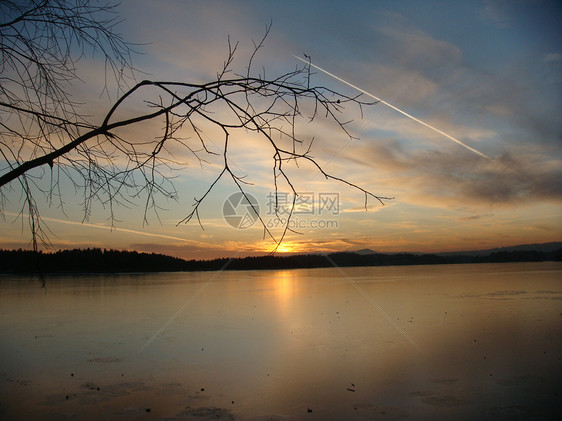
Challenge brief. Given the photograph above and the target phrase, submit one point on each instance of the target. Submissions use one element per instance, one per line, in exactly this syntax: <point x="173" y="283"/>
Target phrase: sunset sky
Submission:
<point x="487" y="73"/>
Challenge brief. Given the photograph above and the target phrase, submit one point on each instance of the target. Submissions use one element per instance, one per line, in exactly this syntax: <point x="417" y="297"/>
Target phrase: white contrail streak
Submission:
<point x="396" y="109"/>
<point x="105" y="227"/>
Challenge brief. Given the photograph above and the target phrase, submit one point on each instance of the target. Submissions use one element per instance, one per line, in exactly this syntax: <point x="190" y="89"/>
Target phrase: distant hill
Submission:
<point x="544" y="247"/>
<point x="114" y="261"/>
<point x="364" y="252"/>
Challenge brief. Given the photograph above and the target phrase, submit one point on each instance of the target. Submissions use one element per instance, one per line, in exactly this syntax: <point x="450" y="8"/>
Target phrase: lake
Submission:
<point x="463" y="342"/>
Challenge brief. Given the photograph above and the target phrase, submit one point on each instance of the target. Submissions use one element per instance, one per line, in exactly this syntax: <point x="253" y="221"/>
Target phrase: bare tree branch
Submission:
<point x="40" y="125"/>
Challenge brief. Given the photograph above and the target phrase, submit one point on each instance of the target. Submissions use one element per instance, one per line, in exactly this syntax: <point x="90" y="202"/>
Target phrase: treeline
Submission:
<point x="113" y="261"/>
<point x="87" y="260"/>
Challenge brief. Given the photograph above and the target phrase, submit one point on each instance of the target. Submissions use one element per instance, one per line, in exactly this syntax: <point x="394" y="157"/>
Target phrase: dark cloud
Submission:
<point x="462" y="176"/>
<point x="506" y="180"/>
<point x="476" y="217"/>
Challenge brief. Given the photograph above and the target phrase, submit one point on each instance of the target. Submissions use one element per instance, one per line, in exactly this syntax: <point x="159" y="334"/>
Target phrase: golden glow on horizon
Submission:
<point x="286" y="248"/>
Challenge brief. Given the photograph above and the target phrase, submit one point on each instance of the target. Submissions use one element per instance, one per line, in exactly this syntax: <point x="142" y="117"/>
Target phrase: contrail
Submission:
<point x="85" y="224"/>
<point x="397" y="109"/>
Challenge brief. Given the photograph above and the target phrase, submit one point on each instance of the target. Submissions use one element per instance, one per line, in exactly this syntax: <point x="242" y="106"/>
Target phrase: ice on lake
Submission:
<point x="480" y="341"/>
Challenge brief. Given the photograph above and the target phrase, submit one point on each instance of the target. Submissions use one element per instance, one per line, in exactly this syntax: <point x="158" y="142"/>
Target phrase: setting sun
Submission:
<point x="314" y="210"/>
<point x="286" y="248"/>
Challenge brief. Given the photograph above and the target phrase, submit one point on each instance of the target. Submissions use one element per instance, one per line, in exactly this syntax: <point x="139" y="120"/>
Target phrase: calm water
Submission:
<point x="420" y="342"/>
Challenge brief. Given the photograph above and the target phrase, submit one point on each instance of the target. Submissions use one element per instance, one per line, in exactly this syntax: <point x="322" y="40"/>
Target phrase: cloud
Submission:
<point x="514" y="92"/>
<point x="416" y="44"/>
<point x="452" y="178"/>
<point x="175" y="32"/>
<point x="475" y="217"/>
<point x="511" y="116"/>
<point x="506" y="181"/>
<point x="553" y="57"/>
<point x="497" y="12"/>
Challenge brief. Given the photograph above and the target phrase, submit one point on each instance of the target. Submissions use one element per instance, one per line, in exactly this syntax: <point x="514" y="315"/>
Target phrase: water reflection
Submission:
<point x="285" y="283"/>
<point x="281" y="343"/>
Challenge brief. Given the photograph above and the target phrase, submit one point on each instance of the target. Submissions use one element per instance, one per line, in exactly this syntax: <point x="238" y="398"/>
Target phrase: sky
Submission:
<point x="486" y="74"/>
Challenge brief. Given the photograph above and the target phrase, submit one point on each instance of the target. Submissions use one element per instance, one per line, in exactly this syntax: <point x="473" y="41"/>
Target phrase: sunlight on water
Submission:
<point x="285" y="285"/>
<point x="285" y="344"/>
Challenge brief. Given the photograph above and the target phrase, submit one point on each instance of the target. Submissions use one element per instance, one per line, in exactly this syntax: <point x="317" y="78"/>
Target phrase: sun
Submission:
<point x="286" y="248"/>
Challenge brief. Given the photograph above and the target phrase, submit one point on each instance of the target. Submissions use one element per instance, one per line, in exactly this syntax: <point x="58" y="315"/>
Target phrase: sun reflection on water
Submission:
<point x="285" y="284"/>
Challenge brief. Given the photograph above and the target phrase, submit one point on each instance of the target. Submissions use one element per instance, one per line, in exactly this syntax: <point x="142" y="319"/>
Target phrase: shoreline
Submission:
<point x="254" y="269"/>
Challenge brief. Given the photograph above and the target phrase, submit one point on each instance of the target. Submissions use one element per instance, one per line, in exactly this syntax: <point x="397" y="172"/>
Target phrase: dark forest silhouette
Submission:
<point x="96" y="260"/>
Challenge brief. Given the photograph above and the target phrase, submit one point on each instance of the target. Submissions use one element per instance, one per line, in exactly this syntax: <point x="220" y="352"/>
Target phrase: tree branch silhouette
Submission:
<point x="42" y="131"/>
